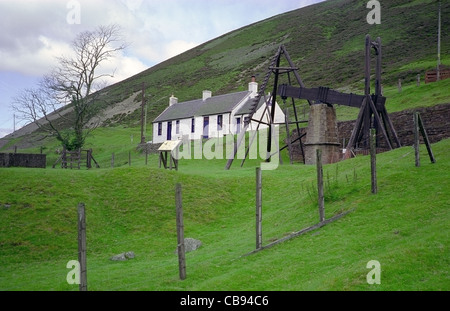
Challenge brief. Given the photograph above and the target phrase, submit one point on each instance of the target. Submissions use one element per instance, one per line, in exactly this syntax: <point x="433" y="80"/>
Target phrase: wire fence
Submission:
<point x="162" y="263"/>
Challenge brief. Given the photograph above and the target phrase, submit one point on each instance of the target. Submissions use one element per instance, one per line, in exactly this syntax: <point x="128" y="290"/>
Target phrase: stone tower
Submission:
<point x="322" y="134"/>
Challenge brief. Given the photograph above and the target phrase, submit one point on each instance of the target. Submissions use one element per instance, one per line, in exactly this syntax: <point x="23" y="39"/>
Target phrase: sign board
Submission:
<point x="169" y="145"/>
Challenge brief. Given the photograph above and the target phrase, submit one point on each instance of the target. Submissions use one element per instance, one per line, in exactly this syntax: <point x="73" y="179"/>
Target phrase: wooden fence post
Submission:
<point x="112" y="160"/>
<point x="425" y="138"/>
<point x="82" y="246"/>
<point x="89" y="159"/>
<point x="399" y="85"/>
<point x="258" y="208"/>
<point x="373" y="159"/>
<point x="320" y="185"/>
<point x="180" y="232"/>
<point x="418" y="79"/>
<point x="416" y="138"/>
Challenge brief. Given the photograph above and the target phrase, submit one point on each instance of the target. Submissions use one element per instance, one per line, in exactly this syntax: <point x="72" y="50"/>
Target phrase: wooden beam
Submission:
<point x="377" y="117"/>
<point x="298" y="233"/>
<point x="258" y="208"/>
<point x="425" y="138"/>
<point x="367" y="67"/>
<point x="288" y="136"/>
<point x="329" y="96"/>
<point x="283" y="68"/>
<point x="272" y="109"/>
<point x="416" y="138"/>
<point x="296" y="74"/>
<point x="357" y="127"/>
<point x="385" y="116"/>
<point x="241" y="137"/>
<point x="295" y="140"/>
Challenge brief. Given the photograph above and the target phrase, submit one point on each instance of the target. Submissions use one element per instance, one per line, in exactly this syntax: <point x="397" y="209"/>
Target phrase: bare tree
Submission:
<point x="63" y="104"/>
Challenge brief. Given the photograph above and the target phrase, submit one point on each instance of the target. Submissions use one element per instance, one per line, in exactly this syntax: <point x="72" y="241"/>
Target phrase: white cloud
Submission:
<point x="122" y="67"/>
<point x="35" y="31"/>
<point x="177" y="47"/>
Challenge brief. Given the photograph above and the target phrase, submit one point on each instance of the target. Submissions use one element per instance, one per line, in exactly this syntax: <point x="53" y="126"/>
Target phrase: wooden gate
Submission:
<point x="72" y="159"/>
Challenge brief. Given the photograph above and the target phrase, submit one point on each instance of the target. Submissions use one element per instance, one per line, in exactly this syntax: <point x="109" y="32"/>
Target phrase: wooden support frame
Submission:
<point x="373" y="113"/>
<point x="274" y="68"/>
<point x="373" y="109"/>
<point x="419" y="128"/>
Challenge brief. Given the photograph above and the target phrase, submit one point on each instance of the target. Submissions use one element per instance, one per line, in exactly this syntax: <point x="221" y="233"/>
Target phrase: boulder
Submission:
<point x="123" y="256"/>
<point x="190" y="245"/>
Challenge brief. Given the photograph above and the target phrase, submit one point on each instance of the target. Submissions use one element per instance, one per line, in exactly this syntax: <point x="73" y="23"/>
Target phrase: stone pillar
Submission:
<point x="322" y="134"/>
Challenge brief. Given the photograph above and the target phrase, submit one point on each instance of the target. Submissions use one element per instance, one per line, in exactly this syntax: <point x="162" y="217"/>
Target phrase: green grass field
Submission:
<point x="404" y="226"/>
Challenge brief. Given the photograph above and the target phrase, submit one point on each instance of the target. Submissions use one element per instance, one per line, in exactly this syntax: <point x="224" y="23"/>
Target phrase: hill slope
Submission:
<point x="404" y="226"/>
<point x="325" y="40"/>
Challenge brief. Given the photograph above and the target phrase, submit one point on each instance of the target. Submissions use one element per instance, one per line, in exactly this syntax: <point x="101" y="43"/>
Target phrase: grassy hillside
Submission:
<point x="326" y="42"/>
<point x="404" y="227"/>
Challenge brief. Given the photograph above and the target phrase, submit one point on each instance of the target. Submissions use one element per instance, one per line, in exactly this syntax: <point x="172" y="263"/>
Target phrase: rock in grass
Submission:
<point x="123" y="256"/>
<point x="190" y="245"/>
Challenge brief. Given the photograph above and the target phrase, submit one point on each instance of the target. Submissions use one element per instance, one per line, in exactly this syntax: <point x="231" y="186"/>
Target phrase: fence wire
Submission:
<point x="103" y="271"/>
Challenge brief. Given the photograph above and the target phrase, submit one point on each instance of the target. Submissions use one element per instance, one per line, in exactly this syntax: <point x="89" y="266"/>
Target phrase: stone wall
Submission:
<point x="23" y="160"/>
<point x="436" y="120"/>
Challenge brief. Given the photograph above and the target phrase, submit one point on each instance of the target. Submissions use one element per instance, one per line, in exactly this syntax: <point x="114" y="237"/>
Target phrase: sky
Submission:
<point x="35" y="32"/>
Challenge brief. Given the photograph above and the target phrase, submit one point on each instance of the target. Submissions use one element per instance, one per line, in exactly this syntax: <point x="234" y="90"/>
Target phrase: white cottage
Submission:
<point x="211" y="116"/>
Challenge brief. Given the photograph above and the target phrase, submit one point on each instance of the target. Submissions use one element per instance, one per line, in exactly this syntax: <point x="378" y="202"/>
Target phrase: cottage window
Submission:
<point x="177" y="128"/>
<point x="193" y="125"/>
<point x="219" y="122"/>
<point x="159" y="129"/>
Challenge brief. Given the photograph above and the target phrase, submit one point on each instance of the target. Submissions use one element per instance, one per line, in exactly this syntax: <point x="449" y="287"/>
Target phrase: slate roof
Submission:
<point x="214" y="105"/>
<point x="246" y="108"/>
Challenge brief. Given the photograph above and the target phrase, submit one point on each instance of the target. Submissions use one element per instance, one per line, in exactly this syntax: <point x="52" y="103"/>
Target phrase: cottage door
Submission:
<point x="169" y="130"/>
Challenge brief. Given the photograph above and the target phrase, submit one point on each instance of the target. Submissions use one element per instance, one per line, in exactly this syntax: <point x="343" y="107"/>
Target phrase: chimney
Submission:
<point x="253" y="87"/>
<point x="173" y="100"/>
<point x="206" y="95"/>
